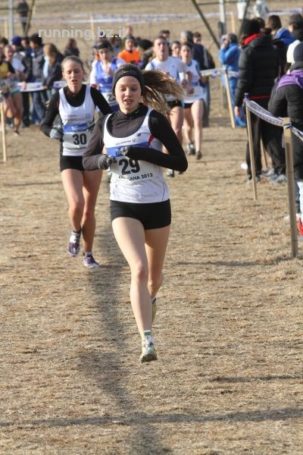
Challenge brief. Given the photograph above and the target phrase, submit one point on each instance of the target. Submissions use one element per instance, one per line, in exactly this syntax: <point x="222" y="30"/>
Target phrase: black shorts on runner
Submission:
<point x="153" y="216"/>
<point x="188" y="105"/>
<point x="71" y="162"/>
<point x="174" y="103"/>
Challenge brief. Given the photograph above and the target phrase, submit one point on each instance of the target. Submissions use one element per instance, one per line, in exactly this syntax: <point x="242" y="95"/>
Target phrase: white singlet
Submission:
<point x="197" y="92"/>
<point x="135" y="181"/>
<point x="172" y="66"/>
<point x="77" y="123"/>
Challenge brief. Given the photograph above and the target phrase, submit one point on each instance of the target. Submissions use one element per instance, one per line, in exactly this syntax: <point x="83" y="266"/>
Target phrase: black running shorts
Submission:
<point x="174" y="103"/>
<point x="71" y="162"/>
<point x="153" y="216"/>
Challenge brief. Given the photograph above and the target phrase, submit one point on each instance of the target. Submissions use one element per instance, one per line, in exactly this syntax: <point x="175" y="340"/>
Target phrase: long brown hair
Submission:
<point x="158" y="84"/>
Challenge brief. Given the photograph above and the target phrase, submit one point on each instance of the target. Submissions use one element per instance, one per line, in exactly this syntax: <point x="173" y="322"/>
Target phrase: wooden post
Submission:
<point x="229" y="101"/>
<point x="92" y="27"/>
<point x="232" y="22"/>
<point x="3" y="132"/>
<point x="264" y="153"/>
<point x="290" y="186"/>
<point x="251" y="151"/>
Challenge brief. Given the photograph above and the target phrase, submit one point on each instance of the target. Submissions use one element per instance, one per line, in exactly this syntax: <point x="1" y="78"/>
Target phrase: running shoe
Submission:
<point x="191" y="149"/>
<point x="154" y="308"/>
<point x="278" y="178"/>
<point x="199" y="155"/>
<point x="148" y="349"/>
<point x="89" y="262"/>
<point x="74" y="244"/>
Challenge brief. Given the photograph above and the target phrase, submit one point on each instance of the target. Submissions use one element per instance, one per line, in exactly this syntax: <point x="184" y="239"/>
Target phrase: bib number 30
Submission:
<point x="79" y="139"/>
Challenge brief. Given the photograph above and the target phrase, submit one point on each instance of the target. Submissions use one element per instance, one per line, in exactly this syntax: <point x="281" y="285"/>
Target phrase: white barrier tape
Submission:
<point x="31" y="86"/>
<point x="256" y="109"/>
<point x="268" y="117"/>
<point x="297" y="133"/>
<point x="217" y="72"/>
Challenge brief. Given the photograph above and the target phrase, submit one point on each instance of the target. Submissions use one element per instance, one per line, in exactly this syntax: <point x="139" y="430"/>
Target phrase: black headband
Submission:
<point x="128" y="70"/>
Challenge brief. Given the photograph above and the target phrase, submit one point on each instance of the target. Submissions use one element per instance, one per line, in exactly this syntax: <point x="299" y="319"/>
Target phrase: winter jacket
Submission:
<point x="287" y="96"/>
<point x="284" y="35"/>
<point x="229" y="56"/>
<point x="258" y="68"/>
<point x="287" y="101"/>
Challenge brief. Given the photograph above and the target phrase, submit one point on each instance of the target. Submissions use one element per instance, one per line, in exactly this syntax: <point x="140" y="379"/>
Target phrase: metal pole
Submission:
<point x="10" y="19"/>
<point x="206" y="23"/>
<point x="222" y="17"/>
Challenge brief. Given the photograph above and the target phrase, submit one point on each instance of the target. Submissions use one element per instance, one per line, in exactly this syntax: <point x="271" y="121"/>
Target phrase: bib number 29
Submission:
<point x="129" y="166"/>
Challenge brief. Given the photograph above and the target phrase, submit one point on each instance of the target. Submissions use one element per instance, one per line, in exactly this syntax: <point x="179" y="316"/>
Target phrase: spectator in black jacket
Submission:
<point x="287" y="101"/>
<point x="258" y="68"/>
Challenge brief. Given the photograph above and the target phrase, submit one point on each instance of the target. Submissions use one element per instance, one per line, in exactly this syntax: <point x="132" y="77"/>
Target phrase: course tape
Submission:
<point x="217" y="72"/>
<point x="256" y="109"/>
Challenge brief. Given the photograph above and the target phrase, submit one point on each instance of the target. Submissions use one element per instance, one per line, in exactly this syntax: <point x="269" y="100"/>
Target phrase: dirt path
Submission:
<point x="228" y="330"/>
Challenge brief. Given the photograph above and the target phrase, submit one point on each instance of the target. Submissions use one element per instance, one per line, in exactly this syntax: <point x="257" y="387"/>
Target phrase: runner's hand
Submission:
<point x="56" y="134"/>
<point x="105" y="161"/>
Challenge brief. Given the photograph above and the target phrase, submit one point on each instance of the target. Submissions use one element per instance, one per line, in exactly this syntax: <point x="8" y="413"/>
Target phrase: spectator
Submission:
<point x="282" y="38"/>
<point x="52" y="71"/>
<point x="295" y="26"/>
<point x="3" y="42"/>
<point x="116" y="43"/>
<point x="26" y="51"/>
<point x="9" y="88"/>
<point x="38" y="98"/>
<point x="258" y="68"/>
<point x="287" y="101"/>
<point x="229" y="57"/>
<point x="71" y="48"/>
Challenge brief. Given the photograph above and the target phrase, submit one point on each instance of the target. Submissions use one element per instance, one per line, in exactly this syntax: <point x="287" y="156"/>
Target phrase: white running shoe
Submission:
<point x="170" y="173"/>
<point x="90" y="262"/>
<point x="74" y="243"/>
<point x="148" y="353"/>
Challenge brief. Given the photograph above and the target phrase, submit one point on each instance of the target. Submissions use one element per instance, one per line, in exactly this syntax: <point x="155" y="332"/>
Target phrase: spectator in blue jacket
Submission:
<point x="229" y="57"/>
